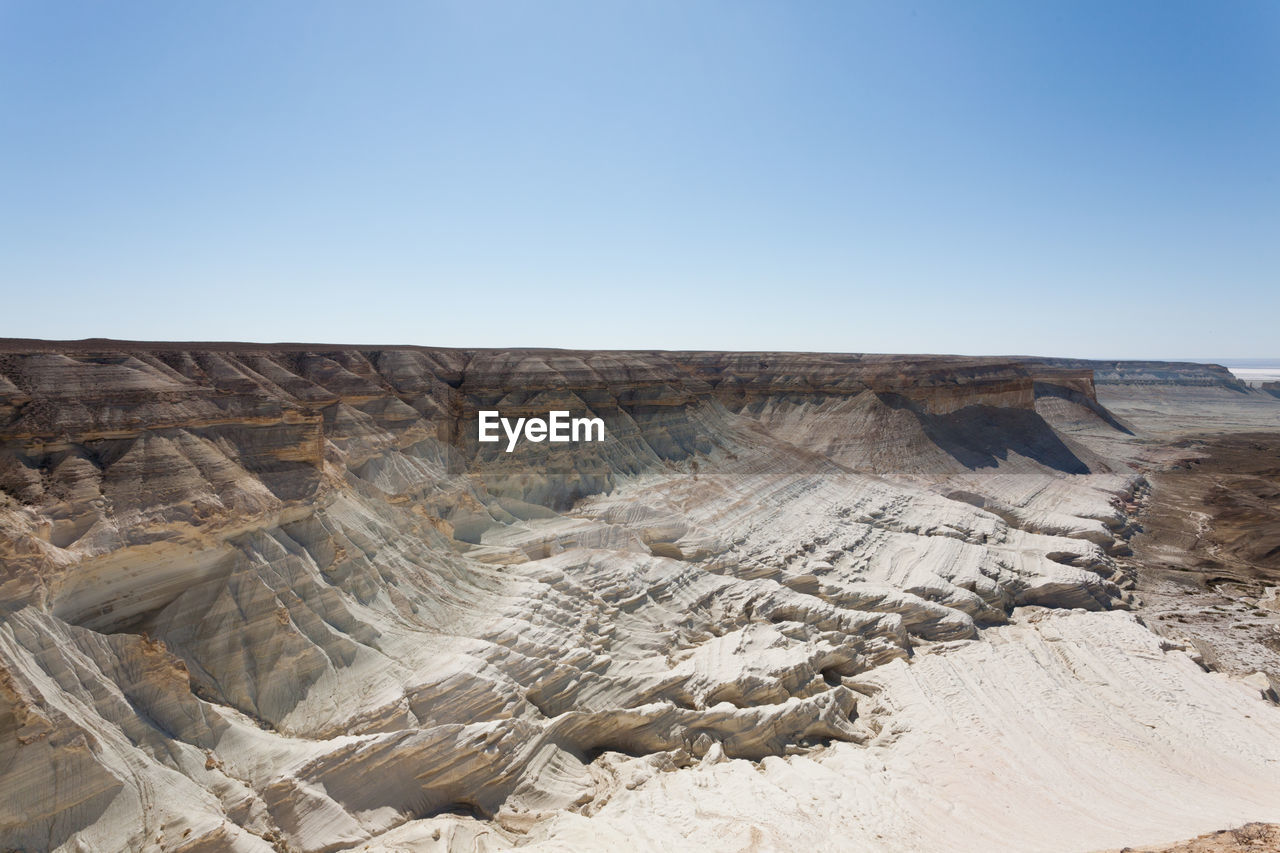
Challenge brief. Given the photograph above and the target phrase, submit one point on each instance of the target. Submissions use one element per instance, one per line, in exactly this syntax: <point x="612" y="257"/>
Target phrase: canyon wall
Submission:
<point x="279" y="596"/>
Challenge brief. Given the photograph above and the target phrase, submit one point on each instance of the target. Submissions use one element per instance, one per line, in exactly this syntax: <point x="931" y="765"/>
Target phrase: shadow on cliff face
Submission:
<point x="1070" y="395"/>
<point x="984" y="436"/>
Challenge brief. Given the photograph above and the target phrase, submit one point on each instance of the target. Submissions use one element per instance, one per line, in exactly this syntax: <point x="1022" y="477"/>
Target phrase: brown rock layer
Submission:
<point x="258" y="595"/>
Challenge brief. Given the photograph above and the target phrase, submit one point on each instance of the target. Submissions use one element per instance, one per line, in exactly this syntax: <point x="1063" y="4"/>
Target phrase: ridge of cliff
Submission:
<point x="264" y="596"/>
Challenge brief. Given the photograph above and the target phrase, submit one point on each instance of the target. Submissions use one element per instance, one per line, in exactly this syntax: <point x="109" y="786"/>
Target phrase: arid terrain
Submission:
<point x="1208" y="554"/>
<point x="1240" y="839"/>
<point x="279" y="597"/>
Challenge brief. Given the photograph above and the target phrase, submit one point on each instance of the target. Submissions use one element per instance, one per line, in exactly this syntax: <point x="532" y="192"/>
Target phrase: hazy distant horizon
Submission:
<point x="1234" y="362"/>
<point x="1244" y="363"/>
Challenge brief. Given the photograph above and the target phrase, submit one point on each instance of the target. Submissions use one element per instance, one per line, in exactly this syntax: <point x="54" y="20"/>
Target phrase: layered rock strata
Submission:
<point x="280" y="596"/>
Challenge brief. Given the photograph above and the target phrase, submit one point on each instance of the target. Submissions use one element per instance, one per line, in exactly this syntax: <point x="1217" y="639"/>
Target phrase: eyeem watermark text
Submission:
<point x="557" y="427"/>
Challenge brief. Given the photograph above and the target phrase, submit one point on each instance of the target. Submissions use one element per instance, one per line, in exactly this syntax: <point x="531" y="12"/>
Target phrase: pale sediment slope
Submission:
<point x="259" y="597"/>
<point x="1065" y="731"/>
<point x="1172" y="399"/>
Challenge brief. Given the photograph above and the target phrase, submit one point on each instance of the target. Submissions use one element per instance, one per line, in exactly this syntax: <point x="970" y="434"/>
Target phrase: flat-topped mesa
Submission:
<point x="93" y="391"/>
<point x="289" y="590"/>
<point x="933" y="384"/>
<point x="197" y="435"/>
<point x="1138" y="373"/>
<point x="1081" y="380"/>
<point x="283" y="407"/>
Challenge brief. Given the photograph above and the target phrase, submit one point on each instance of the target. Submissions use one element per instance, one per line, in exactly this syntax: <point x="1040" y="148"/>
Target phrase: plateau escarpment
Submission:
<point x="281" y="596"/>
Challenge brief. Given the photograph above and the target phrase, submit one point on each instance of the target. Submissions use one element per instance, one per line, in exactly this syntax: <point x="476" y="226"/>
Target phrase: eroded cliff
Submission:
<point x="260" y="596"/>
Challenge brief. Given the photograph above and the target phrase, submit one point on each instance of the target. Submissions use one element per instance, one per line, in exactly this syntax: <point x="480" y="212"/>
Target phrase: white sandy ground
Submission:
<point x="1065" y="731"/>
<point x="1256" y="374"/>
<point x="1174" y="412"/>
<point x="406" y="672"/>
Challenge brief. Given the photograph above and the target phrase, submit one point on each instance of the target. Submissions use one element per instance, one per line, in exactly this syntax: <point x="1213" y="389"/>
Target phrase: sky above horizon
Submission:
<point x="1090" y="179"/>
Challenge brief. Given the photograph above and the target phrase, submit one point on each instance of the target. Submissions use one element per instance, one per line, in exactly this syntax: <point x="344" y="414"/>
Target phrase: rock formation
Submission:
<point x="279" y="597"/>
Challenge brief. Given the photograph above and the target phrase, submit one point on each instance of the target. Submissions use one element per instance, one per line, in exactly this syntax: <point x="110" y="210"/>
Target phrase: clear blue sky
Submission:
<point x="1076" y="178"/>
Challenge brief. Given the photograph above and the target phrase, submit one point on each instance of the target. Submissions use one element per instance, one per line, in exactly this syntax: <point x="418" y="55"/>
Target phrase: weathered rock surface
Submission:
<point x="280" y="596"/>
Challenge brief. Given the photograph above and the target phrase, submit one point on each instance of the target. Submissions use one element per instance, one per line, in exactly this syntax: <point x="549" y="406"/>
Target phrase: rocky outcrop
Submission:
<point x="261" y="596"/>
<point x="1138" y="373"/>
